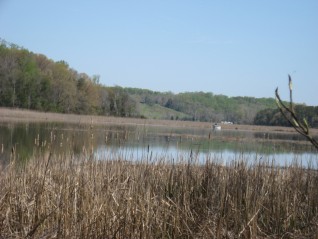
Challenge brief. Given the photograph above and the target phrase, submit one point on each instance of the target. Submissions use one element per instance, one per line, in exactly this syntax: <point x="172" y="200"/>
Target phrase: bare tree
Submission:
<point x="301" y="126"/>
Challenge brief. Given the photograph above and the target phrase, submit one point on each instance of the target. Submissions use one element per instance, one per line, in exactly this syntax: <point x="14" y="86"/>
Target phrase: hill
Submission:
<point x="202" y="106"/>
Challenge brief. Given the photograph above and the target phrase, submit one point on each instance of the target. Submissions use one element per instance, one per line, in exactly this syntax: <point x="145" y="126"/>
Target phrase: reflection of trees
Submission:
<point x="16" y="137"/>
<point x="75" y="139"/>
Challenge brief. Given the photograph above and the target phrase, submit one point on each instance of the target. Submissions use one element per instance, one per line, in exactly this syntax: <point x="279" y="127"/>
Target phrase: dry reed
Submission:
<point x="67" y="196"/>
<point x="22" y="115"/>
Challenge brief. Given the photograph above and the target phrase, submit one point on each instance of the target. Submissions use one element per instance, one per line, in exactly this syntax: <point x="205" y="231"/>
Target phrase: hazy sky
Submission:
<point x="234" y="48"/>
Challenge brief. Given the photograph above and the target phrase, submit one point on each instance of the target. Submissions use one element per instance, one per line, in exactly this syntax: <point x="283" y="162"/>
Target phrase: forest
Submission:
<point x="33" y="81"/>
<point x="273" y="117"/>
<point x="204" y="106"/>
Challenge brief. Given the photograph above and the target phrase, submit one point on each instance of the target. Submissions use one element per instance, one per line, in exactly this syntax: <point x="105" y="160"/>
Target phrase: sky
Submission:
<point x="233" y="48"/>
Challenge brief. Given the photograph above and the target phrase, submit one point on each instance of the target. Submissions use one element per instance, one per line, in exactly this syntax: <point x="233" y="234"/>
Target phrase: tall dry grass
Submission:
<point x="67" y="196"/>
<point x="23" y="115"/>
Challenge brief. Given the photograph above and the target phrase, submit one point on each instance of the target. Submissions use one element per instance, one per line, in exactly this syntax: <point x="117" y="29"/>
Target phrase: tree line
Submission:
<point x="273" y="117"/>
<point x="32" y="81"/>
<point x="203" y="106"/>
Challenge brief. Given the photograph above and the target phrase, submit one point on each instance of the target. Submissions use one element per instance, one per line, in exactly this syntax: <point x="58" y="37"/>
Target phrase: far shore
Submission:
<point x="9" y="115"/>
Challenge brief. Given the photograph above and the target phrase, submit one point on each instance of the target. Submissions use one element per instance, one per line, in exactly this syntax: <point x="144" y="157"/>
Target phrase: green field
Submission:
<point x="159" y="112"/>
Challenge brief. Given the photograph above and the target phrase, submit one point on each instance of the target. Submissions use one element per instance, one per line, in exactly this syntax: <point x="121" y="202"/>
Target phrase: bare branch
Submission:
<point x="289" y="113"/>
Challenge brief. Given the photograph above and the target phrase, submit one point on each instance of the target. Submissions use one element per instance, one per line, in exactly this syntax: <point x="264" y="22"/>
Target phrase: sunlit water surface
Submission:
<point x="156" y="143"/>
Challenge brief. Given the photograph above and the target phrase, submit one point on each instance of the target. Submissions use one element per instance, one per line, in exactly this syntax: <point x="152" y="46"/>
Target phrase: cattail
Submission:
<point x="290" y="83"/>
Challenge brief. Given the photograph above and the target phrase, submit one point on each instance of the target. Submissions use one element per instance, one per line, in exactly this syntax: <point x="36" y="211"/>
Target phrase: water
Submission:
<point x="142" y="142"/>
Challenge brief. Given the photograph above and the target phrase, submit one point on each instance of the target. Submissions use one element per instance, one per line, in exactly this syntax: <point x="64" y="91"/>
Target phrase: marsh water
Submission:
<point x="145" y="142"/>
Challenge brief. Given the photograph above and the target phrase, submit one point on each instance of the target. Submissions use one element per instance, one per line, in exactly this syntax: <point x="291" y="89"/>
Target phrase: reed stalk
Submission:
<point x="67" y="196"/>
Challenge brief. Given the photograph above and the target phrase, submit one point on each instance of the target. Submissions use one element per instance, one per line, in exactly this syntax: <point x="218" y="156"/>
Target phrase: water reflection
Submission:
<point x="141" y="142"/>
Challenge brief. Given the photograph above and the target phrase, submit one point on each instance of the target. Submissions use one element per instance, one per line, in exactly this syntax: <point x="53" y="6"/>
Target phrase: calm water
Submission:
<point x="140" y="142"/>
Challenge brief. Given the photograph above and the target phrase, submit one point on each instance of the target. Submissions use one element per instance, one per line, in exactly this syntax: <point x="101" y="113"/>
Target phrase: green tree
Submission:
<point x="87" y="95"/>
<point x="63" y="88"/>
<point x="8" y="75"/>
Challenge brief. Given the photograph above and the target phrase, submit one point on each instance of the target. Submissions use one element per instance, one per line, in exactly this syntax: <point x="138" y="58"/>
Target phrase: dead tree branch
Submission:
<point x="301" y="126"/>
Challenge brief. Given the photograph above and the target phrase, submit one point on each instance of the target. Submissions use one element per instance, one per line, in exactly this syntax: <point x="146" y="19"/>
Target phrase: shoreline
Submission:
<point x="9" y="115"/>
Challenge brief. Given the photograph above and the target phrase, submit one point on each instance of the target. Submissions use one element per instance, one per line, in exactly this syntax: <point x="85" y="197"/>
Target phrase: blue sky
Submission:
<point x="234" y="48"/>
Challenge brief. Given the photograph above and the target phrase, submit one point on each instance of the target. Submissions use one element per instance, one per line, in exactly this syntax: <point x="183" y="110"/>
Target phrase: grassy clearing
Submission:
<point x="159" y="112"/>
<point x="67" y="196"/>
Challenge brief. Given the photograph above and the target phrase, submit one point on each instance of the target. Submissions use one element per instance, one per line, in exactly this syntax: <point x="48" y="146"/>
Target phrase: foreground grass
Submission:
<point x="54" y="196"/>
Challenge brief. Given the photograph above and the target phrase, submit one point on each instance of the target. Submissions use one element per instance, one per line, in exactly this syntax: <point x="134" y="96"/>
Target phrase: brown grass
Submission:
<point x="20" y="115"/>
<point x="54" y="196"/>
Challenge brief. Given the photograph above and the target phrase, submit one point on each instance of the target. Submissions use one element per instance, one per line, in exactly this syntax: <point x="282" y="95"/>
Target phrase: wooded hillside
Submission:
<point x="33" y="81"/>
<point x="274" y="116"/>
<point x="202" y="106"/>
